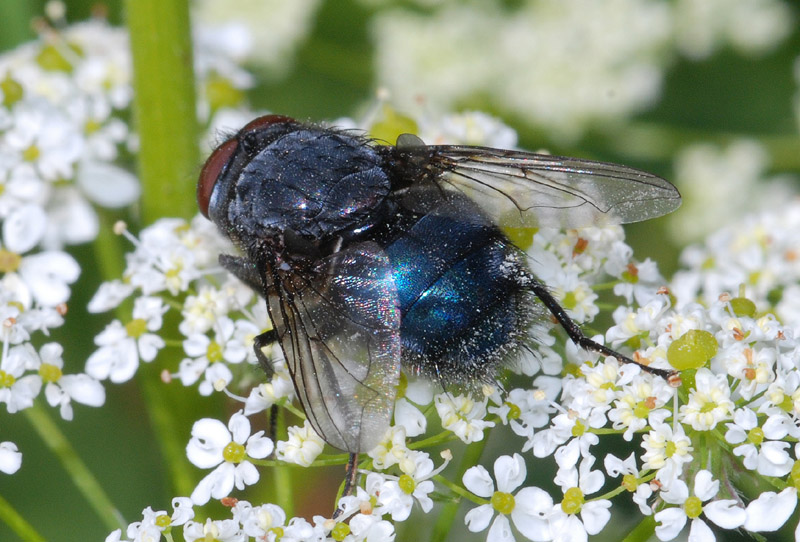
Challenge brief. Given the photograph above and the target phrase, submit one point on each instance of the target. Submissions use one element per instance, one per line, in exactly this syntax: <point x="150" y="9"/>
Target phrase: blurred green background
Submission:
<point x="332" y="75"/>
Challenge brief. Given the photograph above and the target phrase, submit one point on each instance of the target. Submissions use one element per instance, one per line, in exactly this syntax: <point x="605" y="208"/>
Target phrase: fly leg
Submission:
<point x="350" y="477"/>
<point x="576" y="333"/>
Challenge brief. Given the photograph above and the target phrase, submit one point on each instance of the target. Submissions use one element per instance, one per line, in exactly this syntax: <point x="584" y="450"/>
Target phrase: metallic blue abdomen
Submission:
<point x="461" y="293"/>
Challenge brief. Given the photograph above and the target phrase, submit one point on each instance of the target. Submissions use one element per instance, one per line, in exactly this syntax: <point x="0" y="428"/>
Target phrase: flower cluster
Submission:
<point x="563" y="67"/>
<point x="65" y="150"/>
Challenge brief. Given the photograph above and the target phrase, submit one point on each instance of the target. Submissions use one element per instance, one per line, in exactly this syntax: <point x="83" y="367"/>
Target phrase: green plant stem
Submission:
<point x="80" y="474"/>
<point x="17" y="523"/>
<point x="165" y="115"/>
<point x="164" y="106"/>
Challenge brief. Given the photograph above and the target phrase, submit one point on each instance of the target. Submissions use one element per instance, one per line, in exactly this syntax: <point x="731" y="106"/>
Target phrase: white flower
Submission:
<point x="529" y="508"/>
<point x="768" y="457"/>
<point x="576" y="483"/>
<point x="398" y="495"/>
<point x="18" y="391"/>
<point x="259" y="521"/>
<point x="226" y="530"/>
<point x="10" y="457"/>
<point x="463" y="416"/>
<point x="725" y="513"/>
<point x="61" y="389"/>
<point x="302" y="447"/>
<point x="227" y="449"/>
<point x="121" y="347"/>
<point x="709" y="401"/>
<point x="627" y="468"/>
<point x="666" y="451"/>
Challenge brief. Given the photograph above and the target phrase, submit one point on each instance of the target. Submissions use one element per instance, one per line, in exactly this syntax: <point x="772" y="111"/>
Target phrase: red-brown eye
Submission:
<point x="211" y="172"/>
<point x="266" y="120"/>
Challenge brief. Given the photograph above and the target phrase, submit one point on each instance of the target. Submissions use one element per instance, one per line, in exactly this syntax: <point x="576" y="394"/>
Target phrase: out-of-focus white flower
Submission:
<point x="10" y="457"/>
<point x="463" y="416"/>
<point x="302" y="447"/>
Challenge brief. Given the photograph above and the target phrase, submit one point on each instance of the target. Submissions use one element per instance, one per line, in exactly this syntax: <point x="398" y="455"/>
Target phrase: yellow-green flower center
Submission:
<point x="630" y="483"/>
<point x="693" y="507"/>
<point x="163" y="521"/>
<point x="755" y="436"/>
<point x="670" y="449"/>
<point x="49" y="372"/>
<point x="570" y="300"/>
<point x="9" y="261"/>
<point x="514" y="411"/>
<point x="641" y="410"/>
<point x="407" y="484"/>
<point x="503" y="502"/>
<point x="6" y="380"/>
<point x="31" y="153"/>
<point x="234" y="452"/>
<point x="340" y="532"/>
<point x="12" y="91"/>
<point x="578" y="429"/>
<point x="136" y="328"/>
<point x="214" y="352"/>
<point x="573" y="501"/>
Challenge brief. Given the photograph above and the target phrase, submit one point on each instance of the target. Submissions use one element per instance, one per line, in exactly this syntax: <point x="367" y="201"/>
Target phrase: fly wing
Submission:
<point x="339" y="331"/>
<point x="522" y="189"/>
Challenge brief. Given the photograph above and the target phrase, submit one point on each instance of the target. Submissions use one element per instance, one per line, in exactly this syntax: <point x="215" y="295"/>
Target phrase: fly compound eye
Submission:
<point x="211" y="172"/>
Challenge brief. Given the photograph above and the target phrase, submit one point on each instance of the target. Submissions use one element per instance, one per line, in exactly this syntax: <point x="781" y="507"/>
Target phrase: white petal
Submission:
<point x="671" y="522"/>
<point x="23" y="228"/>
<point x="84" y="389"/>
<point x="510" y="472"/>
<point x="531" y="510"/>
<point x="770" y="510"/>
<point x="10" y="458"/>
<point x="478" y="480"/>
<point x="410" y="417"/>
<point x="209" y="438"/>
<point x="595" y="515"/>
<point x="700" y="532"/>
<point x="478" y="518"/>
<point x="705" y="487"/>
<point x="500" y="531"/>
<point x="108" y="185"/>
<point x="726" y="513"/>
<point x="246" y="474"/>
<point x="259" y="446"/>
<point x="239" y="426"/>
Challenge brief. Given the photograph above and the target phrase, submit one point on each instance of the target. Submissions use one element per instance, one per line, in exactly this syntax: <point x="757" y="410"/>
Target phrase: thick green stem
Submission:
<point x="164" y="106"/>
<point x="166" y="121"/>
<point x="80" y="474"/>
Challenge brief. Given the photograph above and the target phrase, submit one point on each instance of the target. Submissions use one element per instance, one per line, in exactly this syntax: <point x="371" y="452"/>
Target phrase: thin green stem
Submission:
<point x="17" y="523"/>
<point x="447" y="515"/>
<point x="164" y="106"/>
<point x="458" y="490"/>
<point x="80" y="474"/>
<point x="282" y="476"/>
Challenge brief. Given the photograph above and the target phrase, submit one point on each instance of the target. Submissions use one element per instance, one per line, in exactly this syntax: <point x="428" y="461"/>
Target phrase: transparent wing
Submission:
<point x="522" y="189"/>
<point x="339" y="331"/>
